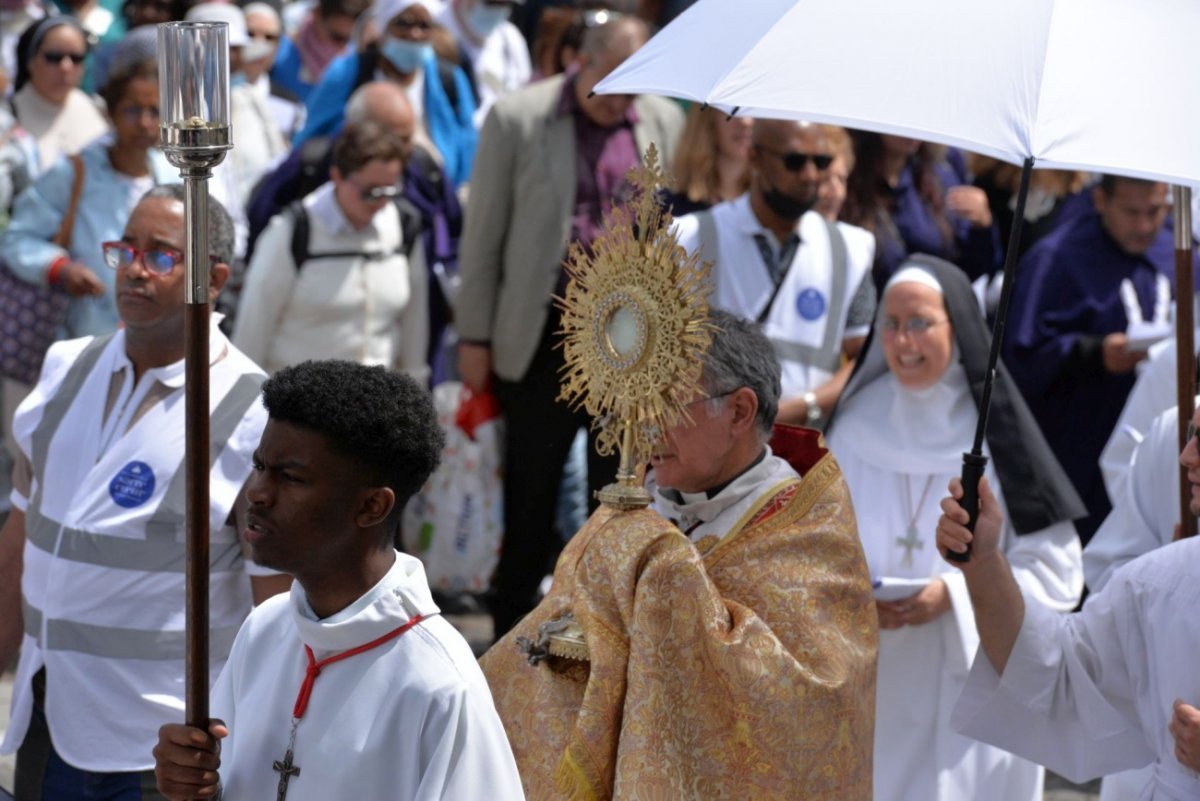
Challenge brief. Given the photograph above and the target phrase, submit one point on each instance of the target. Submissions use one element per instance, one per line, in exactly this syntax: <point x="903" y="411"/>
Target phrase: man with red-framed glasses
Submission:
<point x="92" y="556"/>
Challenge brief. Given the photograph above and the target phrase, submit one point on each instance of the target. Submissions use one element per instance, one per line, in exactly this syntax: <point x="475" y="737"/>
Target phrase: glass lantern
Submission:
<point x="193" y="73"/>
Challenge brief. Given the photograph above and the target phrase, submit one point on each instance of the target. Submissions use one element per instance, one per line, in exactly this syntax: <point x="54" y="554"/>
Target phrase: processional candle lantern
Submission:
<point x="194" y="134"/>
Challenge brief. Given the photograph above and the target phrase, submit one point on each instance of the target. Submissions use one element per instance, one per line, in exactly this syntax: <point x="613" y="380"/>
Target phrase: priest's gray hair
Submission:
<point x="741" y="356"/>
<point x="220" y="224"/>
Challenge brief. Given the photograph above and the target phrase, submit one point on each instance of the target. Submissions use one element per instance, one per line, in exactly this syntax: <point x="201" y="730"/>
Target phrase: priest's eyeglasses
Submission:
<point x="159" y="261"/>
<point x="913" y="326"/>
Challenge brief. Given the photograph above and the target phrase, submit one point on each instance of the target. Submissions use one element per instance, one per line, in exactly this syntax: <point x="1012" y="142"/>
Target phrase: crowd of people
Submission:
<point x="406" y="180"/>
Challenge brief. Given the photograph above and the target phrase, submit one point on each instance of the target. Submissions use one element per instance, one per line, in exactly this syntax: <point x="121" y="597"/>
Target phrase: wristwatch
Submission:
<point x="812" y="409"/>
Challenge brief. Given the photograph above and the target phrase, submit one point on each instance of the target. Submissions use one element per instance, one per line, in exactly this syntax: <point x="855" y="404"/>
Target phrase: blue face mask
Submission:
<point x="484" y="19"/>
<point x="404" y="55"/>
<point x="237" y="79"/>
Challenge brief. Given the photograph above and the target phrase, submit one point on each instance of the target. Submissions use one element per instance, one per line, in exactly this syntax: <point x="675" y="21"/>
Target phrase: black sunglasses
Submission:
<point x="55" y="57"/>
<point x="794" y="161"/>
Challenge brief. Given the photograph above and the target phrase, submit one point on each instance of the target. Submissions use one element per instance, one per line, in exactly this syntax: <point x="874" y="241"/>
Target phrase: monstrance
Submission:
<point x="634" y="331"/>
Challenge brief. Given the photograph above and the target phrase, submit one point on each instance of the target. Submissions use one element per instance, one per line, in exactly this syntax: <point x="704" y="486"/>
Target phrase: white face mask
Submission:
<point x="255" y="49"/>
<point x="485" y="19"/>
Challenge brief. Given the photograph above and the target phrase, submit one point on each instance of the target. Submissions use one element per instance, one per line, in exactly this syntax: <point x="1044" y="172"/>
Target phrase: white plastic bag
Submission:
<point x="455" y="524"/>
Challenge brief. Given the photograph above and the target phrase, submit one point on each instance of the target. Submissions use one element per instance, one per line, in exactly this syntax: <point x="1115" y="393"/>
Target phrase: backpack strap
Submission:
<point x="410" y="230"/>
<point x="299" y="216"/>
<point x="410" y="226"/>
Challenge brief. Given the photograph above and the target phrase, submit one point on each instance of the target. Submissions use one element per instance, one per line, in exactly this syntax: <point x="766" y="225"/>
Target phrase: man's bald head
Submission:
<point x="385" y="103"/>
<point x="616" y="40"/>
<point x="777" y="133"/>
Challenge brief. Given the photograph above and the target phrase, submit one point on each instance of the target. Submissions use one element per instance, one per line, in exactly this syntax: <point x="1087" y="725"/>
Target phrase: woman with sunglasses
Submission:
<point x="117" y="171"/>
<point x="898" y="432"/>
<point x="48" y="102"/>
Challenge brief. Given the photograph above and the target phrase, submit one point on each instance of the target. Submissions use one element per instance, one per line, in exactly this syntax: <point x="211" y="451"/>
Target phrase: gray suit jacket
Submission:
<point x="518" y="216"/>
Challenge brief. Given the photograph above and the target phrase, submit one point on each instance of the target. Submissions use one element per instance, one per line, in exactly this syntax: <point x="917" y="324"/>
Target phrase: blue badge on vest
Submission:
<point x="132" y="485"/>
<point x="810" y="303"/>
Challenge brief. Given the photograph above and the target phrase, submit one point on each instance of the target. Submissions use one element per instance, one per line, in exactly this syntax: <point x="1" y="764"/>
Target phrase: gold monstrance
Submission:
<point x="634" y="330"/>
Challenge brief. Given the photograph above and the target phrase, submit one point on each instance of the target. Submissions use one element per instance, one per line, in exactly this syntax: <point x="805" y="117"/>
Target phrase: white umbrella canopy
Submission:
<point x="1097" y="85"/>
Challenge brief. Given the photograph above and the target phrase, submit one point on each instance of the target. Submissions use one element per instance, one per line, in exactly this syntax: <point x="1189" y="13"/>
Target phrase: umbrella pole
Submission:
<point x="1185" y="342"/>
<point x="975" y="462"/>
<point x="196" y="316"/>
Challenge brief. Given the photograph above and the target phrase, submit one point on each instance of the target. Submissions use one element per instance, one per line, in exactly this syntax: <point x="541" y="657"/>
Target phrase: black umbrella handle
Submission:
<point x="973" y="466"/>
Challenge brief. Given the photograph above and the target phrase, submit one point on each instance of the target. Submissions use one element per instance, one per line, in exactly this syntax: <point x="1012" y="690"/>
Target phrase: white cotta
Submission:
<point x="1092" y="693"/>
<point x="410" y="719"/>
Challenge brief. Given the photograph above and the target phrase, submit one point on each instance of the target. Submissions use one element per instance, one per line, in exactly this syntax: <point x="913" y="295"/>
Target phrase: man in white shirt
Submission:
<point x="1109" y="688"/>
<point x="383" y="697"/>
<point x="778" y="262"/>
<point x="92" y="556"/>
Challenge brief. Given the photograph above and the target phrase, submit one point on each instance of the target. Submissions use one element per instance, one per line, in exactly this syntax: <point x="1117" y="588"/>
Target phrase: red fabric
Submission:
<point x="55" y="268"/>
<point x="476" y="409"/>
<point x="800" y="447"/>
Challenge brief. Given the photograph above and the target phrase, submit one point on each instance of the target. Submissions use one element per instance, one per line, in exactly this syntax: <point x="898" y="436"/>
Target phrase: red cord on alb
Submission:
<point x="315" y="667"/>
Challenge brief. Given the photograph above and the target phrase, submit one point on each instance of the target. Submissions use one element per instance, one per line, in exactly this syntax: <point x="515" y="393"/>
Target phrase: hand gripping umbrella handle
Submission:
<point x="973" y="467"/>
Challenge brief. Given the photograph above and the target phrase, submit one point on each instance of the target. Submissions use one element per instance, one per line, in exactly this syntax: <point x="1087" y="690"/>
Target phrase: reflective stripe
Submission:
<point x="59" y="404"/>
<point x="124" y="553"/>
<point x="118" y="643"/>
<point x="32" y="617"/>
<point x="169" y="517"/>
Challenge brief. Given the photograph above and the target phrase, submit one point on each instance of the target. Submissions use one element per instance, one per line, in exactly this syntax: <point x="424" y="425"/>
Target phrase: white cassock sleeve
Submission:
<point x="1153" y="393"/>
<point x="1068" y="697"/>
<point x="465" y="751"/>
<point x="1047" y="565"/>
<point x="1144" y="517"/>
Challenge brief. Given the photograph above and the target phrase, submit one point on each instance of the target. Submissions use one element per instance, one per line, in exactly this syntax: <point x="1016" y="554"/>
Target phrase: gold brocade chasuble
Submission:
<point x="745" y="673"/>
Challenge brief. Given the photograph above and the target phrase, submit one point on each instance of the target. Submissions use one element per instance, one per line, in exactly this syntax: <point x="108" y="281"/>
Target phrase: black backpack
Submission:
<point x="410" y="230"/>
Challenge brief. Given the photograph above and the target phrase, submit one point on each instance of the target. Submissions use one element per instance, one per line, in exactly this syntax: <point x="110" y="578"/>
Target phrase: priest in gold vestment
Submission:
<point x="730" y="628"/>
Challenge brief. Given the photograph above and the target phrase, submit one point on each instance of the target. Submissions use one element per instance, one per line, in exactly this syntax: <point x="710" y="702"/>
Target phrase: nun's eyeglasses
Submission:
<point x="913" y="326"/>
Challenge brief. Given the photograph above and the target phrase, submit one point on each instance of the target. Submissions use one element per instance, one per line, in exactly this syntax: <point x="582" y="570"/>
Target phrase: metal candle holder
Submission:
<point x="194" y="134"/>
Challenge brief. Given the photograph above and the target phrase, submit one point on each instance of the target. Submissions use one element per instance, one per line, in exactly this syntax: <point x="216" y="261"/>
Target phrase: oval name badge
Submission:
<point x="132" y="485"/>
<point x="810" y="304"/>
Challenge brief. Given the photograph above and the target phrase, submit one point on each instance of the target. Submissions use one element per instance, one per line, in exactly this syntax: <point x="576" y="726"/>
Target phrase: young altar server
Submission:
<point x="352" y="686"/>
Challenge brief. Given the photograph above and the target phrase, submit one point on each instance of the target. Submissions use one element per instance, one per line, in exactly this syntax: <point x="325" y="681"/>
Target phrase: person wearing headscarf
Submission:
<point x="899" y="432"/>
<point x="48" y="102"/>
<point x="439" y="91"/>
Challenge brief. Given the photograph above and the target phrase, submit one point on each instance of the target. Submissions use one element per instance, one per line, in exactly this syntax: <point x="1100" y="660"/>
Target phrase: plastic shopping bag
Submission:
<point x="455" y="524"/>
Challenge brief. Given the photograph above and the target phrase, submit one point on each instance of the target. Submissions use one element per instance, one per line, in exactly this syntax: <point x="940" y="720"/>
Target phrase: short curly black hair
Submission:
<point x="384" y="421"/>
